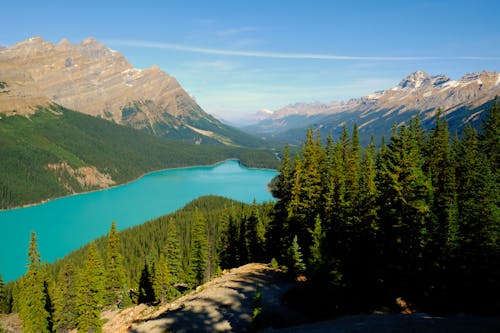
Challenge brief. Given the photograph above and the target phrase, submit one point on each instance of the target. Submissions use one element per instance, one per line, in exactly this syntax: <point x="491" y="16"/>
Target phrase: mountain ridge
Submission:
<point x="418" y="93"/>
<point x="91" y="78"/>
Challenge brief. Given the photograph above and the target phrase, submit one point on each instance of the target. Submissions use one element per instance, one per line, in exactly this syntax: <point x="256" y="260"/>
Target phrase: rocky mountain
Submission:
<point x="462" y="101"/>
<point x="91" y="78"/>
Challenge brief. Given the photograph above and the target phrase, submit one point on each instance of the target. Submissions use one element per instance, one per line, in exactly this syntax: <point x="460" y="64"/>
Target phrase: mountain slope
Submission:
<point x="462" y="101"/>
<point x="91" y="78"/>
<point x="56" y="152"/>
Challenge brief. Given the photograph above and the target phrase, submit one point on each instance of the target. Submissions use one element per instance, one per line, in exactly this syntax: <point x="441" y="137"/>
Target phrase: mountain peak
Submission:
<point x="415" y="80"/>
<point x="93" y="49"/>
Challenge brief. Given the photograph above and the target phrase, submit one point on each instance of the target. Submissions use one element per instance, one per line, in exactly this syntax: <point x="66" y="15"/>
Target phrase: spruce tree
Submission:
<point x="90" y="292"/>
<point x="162" y="279"/>
<point x="199" y="245"/>
<point x="275" y="233"/>
<point x="146" y="288"/>
<point x="440" y="165"/>
<point x="65" y="299"/>
<point x="115" y="290"/>
<point x="490" y="138"/>
<point x="316" y="254"/>
<point x="2" y="296"/>
<point x="295" y="262"/>
<point x="172" y="252"/>
<point x="405" y="209"/>
<point x="32" y="297"/>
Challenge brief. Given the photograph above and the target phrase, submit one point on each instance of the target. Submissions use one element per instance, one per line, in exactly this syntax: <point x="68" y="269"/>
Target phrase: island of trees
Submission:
<point x="414" y="219"/>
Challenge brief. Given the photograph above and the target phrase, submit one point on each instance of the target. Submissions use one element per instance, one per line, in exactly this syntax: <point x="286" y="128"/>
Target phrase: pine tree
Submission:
<point x="146" y="289"/>
<point x="230" y="254"/>
<point x="32" y="298"/>
<point x="172" y="253"/>
<point x="477" y="195"/>
<point x="405" y="209"/>
<point x="115" y="273"/>
<point x="276" y="232"/>
<point x="439" y="164"/>
<point x="90" y="292"/>
<point x="199" y="259"/>
<point x="295" y="262"/>
<point x="490" y="138"/>
<point x="316" y="254"/>
<point x="162" y="280"/>
<point x="256" y="236"/>
<point x="2" y="296"/>
<point x="65" y="298"/>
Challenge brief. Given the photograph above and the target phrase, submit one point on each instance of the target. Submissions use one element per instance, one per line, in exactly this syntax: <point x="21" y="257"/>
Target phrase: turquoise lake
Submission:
<point x="67" y="223"/>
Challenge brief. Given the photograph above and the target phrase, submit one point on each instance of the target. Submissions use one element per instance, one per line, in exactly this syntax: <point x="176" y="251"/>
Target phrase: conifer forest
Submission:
<point x="416" y="217"/>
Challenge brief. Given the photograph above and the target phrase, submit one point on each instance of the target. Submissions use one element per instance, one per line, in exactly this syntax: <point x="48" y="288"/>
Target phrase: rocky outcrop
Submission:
<point x="87" y="177"/>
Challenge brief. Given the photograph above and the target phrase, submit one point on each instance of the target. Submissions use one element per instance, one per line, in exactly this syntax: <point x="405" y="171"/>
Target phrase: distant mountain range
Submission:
<point x="91" y="78"/>
<point x="462" y="101"/>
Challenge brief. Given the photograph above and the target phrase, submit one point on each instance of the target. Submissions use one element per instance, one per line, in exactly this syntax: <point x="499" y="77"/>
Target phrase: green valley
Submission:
<point x="56" y="152"/>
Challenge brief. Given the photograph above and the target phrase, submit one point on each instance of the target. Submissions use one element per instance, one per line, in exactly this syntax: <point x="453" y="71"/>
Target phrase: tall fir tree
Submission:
<point x="32" y="297"/>
<point x="3" y="299"/>
<point x="162" y="281"/>
<point x="115" y="290"/>
<point x="405" y="209"/>
<point x="65" y="299"/>
<point x="146" y="290"/>
<point x="172" y="253"/>
<point x="90" y="292"/>
<point x="440" y="165"/>
<point x="199" y="245"/>
<point x="275" y="234"/>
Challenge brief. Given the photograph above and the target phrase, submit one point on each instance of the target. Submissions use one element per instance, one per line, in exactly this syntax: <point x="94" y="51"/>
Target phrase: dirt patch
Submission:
<point x="221" y="305"/>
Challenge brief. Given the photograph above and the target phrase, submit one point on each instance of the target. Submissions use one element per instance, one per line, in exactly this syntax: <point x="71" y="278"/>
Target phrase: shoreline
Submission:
<point x="133" y="180"/>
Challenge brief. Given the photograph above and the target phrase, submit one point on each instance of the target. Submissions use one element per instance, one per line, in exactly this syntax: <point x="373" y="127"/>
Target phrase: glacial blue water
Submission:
<point x="67" y="223"/>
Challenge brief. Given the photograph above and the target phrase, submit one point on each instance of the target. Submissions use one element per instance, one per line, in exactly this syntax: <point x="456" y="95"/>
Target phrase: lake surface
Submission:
<point x="67" y="223"/>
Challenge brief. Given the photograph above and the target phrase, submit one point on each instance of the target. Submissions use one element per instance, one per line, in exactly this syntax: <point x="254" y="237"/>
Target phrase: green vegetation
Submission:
<point x="32" y="296"/>
<point x="417" y="220"/>
<point x="57" y="135"/>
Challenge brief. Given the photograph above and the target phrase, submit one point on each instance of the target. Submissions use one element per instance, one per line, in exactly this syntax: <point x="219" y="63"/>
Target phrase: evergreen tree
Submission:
<point x="2" y="296"/>
<point x="162" y="280"/>
<point x="477" y="195"/>
<point x="199" y="259"/>
<point x="440" y="165"/>
<point x="256" y="236"/>
<point x="295" y="262"/>
<point x="32" y="297"/>
<point x="65" y="300"/>
<point x="490" y="138"/>
<point x="146" y="289"/>
<point x="90" y="292"/>
<point x="316" y="254"/>
<point x="405" y="209"/>
<point x="115" y="273"/>
<point x="276" y="233"/>
<point x="230" y="254"/>
<point x="172" y="253"/>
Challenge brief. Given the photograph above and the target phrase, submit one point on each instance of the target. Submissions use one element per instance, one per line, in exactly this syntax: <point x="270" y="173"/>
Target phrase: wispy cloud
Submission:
<point x="280" y="55"/>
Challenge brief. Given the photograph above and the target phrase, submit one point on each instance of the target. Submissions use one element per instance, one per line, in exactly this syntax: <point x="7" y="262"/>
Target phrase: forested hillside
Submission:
<point x="57" y="152"/>
<point x="414" y="221"/>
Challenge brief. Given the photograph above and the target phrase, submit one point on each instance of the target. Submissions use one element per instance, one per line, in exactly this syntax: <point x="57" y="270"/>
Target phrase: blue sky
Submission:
<point x="237" y="57"/>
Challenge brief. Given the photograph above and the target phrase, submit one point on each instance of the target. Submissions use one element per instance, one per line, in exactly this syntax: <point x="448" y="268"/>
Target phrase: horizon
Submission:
<point x="237" y="59"/>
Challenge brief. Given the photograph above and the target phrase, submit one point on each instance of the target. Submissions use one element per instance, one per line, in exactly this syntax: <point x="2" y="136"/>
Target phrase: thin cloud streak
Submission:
<point x="278" y="55"/>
